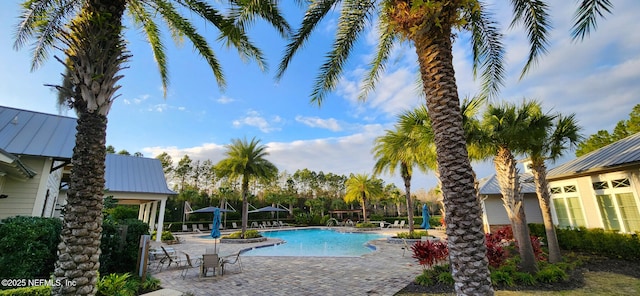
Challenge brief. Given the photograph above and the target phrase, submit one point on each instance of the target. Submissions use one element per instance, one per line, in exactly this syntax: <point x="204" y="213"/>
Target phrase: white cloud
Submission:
<point x="225" y="100"/>
<point x="330" y="124"/>
<point x="255" y="119"/>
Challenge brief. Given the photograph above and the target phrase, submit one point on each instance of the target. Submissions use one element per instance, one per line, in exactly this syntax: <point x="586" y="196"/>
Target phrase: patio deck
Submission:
<point x="382" y="272"/>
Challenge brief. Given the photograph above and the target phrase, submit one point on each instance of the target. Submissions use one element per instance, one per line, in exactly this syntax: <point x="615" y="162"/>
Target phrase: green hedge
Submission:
<point x="28" y="247"/>
<point x="120" y="256"/>
<point x="595" y="241"/>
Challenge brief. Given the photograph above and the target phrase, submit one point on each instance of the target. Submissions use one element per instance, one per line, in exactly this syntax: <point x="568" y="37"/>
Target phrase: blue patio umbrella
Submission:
<point x="215" y="229"/>
<point x="425" y="217"/>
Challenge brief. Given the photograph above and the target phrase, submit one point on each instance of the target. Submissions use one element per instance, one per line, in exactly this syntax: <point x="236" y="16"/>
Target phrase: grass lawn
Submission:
<point x="596" y="283"/>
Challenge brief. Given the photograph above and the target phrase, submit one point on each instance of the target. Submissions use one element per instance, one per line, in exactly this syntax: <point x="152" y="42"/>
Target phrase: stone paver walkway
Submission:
<point x="382" y="272"/>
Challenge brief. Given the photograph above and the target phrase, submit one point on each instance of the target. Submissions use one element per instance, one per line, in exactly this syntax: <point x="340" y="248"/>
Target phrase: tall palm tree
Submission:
<point x="247" y="160"/>
<point x="90" y="35"/>
<point x="361" y="187"/>
<point x="505" y="130"/>
<point x="549" y="137"/>
<point x="406" y="147"/>
<point x="430" y="26"/>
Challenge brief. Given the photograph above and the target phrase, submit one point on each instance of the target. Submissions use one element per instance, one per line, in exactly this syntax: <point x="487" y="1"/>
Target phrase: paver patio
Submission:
<point x="382" y="272"/>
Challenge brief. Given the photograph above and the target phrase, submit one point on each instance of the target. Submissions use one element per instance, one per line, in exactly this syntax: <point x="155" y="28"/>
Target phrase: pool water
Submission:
<point x="317" y="242"/>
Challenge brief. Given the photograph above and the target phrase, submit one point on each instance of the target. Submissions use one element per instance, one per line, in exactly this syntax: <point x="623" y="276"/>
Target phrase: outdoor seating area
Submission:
<point x="199" y="272"/>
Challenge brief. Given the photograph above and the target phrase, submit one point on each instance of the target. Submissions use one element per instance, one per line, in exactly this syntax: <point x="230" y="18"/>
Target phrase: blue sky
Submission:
<point x="598" y="79"/>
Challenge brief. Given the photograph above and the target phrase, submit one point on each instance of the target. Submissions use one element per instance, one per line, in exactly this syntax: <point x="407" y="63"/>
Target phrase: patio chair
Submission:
<point x="395" y="224"/>
<point x="195" y="228"/>
<point x="234" y="225"/>
<point x="210" y="251"/>
<point x="231" y="259"/>
<point x="402" y="224"/>
<point x="210" y="261"/>
<point x="189" y="264"/>
<point x="169" y="258"/>
<point x="201" y="227"/>
<point x="268" y="223"/>
<point x="185" y="228"/>
<point x="210" y="227"/>
<point x="254" y="224"/>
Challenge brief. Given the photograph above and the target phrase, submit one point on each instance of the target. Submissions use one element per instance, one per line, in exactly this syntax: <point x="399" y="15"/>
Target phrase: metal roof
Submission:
<point x="490" y="185"/>
<point x="124" y="173"/>
<point x="620" y="153"/>
<point x="32" y="133"/>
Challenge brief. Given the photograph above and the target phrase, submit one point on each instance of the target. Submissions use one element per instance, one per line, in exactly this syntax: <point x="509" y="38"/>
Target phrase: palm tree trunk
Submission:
<point x="466" y="240"/>
<point x="245" y="204"/>
<point x="507" y="174"/>
<point x="539" y="171"/>
<point x="79" y="249"/>
<point x="364" y="207"/>
<point x="406" y="177"/>
<point x="95" y="52"/>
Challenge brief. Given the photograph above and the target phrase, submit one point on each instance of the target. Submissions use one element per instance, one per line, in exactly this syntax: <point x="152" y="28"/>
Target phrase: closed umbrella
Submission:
<point x="425" y="217"/>
<point x="215" y="230"/>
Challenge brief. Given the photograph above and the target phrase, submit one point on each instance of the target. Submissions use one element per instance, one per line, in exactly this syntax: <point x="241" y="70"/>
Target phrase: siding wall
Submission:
<point x="22" y="194"/>
<point x="497" y="214"/>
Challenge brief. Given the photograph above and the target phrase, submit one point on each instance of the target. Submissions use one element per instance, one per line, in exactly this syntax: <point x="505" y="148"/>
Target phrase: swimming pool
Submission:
<point x="317" y="242"/>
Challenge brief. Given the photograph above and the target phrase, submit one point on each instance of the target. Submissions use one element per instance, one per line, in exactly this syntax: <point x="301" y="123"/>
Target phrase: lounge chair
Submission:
<point x="282" y="224"/>
<point x="231" y="259"/>
<point x="210" y="261"/>
<point x="195" y="228"/>
<point x="395" y="224"/>
<point x="254" y="224"/>
<point x="201" y="227"/>
<point x="402" y="224"/>
<point x="234" y="225"/>
<point x="185" y="228"/>
<point x="210" y="227"/>
<point x="169" y="258"/>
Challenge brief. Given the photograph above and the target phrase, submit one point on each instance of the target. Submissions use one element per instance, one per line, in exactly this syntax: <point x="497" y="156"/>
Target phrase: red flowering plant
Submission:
<point x="429" y="253"/>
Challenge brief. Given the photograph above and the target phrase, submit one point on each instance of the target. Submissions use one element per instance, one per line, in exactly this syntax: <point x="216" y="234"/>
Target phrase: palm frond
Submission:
<point x="377" y="66"/>
<point x="586" y="16"/>
<point x="42" y="20"/>
<point x="143" y="18"/>
<point x="488" y="50"/>
<point x="535" y="18"/>
<point x="245" y="12"/>
<point x="315" y="13"/>
<point x="175" y="20"/>
<point x="352" y="21"/>
<point x="230" y="33"/>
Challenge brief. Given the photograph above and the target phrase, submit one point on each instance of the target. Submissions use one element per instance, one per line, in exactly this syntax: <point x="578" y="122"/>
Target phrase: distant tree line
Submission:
<point x="602" y="138"/>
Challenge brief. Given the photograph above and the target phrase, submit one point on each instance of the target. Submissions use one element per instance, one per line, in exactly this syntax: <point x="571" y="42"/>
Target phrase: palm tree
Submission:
<point x="549" y="138"/>
<point x="90" y="35"/>
<point x="505" y="130"/>
<point x="246" y="160"/>
<point x="405" y="147"/>
<point x="360" y="187"/>
<point x="429" y="26"/>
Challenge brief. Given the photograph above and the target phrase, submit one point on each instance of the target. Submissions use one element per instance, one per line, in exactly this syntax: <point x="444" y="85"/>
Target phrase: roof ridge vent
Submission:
<point x="15" y="120"/>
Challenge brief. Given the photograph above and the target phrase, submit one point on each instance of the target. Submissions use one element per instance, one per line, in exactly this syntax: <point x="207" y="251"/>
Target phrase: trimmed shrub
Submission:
<point x="429" y="253"/>
<point x="119" y="254"/>
<point x="28" y="247"/>
<point x="610" y="244"/>
<point x="247" y="234"/>
<point x="27" y="291"/>
<point x="416" y="234"/>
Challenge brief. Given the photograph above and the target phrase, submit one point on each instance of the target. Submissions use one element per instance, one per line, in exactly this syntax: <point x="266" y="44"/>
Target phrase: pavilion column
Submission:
<point x="163" y="203"/>
<point x="141" y="212"/>
<point x="147" y="210"/>
<point x="152" y="218"/>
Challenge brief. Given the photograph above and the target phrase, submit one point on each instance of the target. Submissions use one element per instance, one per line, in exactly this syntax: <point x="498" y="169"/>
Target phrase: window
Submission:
<point x="608" y="212"/>
<point x="621" y="183"/>
<point x="567" y="206"/>
<point x="600" y="185"/>
<point x="618" y="205"/>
